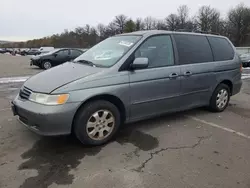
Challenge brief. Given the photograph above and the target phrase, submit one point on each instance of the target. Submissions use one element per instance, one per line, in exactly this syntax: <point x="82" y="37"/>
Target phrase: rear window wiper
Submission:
<point x="85" y="62"/>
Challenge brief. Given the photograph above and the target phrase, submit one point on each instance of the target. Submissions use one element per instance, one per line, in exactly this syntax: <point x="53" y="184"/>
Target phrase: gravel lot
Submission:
<point x="188" y="149"/>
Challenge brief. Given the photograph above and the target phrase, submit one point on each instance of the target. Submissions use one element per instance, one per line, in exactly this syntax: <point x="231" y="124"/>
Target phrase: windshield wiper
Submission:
<point x="85" y="62"/>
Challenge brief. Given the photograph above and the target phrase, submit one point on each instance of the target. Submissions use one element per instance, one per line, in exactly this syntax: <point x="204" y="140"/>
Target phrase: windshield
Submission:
<point x="109" y="51"/>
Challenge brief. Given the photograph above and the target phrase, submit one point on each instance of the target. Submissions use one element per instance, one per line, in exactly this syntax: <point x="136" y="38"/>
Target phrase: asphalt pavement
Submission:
<point x="188" y="149"/>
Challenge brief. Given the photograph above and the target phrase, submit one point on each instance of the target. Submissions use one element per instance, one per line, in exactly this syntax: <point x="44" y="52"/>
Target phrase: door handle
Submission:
<point x="187" y="73"/>
<point x="173" y="75"/>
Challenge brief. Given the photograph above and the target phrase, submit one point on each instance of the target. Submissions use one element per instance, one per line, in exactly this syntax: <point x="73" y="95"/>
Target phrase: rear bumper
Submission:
<point x="45" y="120"/>
<point x="236" y="87"/>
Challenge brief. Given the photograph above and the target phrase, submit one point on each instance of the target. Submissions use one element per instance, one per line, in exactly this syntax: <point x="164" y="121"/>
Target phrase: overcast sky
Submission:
<point x="29" y="19"/>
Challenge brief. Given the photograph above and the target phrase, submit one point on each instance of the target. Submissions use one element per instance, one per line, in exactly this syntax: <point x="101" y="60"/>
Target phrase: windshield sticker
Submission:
<point x="125" y="43"/>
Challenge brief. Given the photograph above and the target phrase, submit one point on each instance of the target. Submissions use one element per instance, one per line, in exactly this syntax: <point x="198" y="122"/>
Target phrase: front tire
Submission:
<point x="46" y="65"/>
<point x="97" y="122"/>
<point x="220" y="98"/>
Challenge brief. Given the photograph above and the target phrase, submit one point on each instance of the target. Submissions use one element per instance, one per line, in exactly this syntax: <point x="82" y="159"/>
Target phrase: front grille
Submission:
<point x="24" y="93"/>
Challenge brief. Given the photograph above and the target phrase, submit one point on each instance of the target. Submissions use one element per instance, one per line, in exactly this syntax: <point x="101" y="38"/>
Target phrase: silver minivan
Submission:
<point x="130" y="77"/>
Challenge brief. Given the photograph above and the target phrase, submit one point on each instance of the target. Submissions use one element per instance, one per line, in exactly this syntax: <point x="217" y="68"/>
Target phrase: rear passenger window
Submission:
<point x="75" y="53"/>
<point x="158" y="50"/>
<point x="221" y="48"/>
<point x="63" y="53"/>
<point x="193" y="49"/>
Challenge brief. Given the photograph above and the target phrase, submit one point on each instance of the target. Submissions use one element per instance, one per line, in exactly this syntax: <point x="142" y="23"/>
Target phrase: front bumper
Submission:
<point x="35" y="62"/>
<point x="45" y="120"/>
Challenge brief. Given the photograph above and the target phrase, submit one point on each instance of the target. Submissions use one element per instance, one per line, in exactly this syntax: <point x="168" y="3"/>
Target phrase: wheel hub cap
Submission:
<point x="222" y="98"/>
<point x="47" y="65"/>
<point x="100" y="125"/>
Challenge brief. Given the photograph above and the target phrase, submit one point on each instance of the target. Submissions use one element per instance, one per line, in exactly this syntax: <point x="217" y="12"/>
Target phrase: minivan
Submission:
<point x="127" y="78"/>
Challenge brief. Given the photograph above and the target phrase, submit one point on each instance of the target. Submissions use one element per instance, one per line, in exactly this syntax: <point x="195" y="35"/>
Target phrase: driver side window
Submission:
<point x="158" y="50"/>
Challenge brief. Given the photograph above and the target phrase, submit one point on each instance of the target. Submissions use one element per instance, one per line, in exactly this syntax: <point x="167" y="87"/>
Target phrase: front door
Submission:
<point x="62" y="56"/>
<point x="156" y="89"/>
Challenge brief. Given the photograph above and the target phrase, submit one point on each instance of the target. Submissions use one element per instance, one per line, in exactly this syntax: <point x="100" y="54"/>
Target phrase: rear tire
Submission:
<point x="220" y="98"/>
<point x="97" y="122"/>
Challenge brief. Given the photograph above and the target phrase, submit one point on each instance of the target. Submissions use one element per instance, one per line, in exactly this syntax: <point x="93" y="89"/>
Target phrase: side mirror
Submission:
<point x="139" y="63"/>
<point x="55" y="54"/>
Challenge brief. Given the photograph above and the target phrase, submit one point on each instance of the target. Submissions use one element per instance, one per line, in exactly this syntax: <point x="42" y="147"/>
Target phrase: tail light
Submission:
<point x="241" y="69"/>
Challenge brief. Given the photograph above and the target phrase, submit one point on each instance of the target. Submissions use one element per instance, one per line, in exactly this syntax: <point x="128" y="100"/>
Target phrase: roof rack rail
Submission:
<point x="184" y="30"/>
<point x="197" y="31"/>
<point x="206" y="32"/>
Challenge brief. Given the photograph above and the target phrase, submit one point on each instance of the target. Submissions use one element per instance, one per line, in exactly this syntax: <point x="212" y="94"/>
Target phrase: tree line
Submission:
<point x="236" y="26"/>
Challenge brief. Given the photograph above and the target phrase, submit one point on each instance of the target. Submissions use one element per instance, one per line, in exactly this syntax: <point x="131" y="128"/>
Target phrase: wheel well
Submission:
<point x="46" y="60"/>
<point x="229" y="84"/>
<point x="110" y="98"/>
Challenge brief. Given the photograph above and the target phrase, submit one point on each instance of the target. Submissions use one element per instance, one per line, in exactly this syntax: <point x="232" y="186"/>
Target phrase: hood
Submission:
<point x="36" y="57"/>
<point x="49" y="80"/>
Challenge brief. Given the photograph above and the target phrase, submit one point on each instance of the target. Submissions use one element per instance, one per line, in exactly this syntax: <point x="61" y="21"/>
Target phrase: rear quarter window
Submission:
<point x="221" y="48"/>
<point x="193" y="49"/>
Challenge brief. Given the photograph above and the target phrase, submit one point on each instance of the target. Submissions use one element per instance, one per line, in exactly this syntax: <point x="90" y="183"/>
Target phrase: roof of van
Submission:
<point x="155" y="32"/>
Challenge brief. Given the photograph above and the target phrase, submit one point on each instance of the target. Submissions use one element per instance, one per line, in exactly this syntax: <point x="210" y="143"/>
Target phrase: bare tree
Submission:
<point x="160" y="25"/>
<point x="208" y="19"/>
<point x="120" y="22"/>
<point x="183" y="13"/>
<point x="238" y="22"/>
<point x="149" y="23"/>
<point x="101" y="30"/>
<point x="112" y="30"/>
<point x="139" y="25"/>
<point x="172" y="22"/>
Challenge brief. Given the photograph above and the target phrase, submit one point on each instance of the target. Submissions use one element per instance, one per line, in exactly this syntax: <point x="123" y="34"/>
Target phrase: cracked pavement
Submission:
<point x="157" y="152"/>
<point x="177" y="150"/>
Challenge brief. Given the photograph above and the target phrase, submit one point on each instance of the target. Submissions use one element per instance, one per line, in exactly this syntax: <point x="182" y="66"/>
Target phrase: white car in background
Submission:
<point x="44" y="50"/>
<point x="245" y="58"/>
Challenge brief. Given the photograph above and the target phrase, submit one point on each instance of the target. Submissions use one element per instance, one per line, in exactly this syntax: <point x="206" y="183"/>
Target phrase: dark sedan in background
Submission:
<point x="55" y="57"/>
<point x="30" y="52"/>
<point x="5" y="50"/>
<point x="245" y="58"/>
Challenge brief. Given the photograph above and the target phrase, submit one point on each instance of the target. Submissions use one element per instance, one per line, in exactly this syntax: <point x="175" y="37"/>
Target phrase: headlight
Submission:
<point x="49" y="99"/>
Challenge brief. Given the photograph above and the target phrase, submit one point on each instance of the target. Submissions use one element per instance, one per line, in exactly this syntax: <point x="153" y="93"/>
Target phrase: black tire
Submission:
<point x="44" y="65"/>
<point x="213" y="104"/>
<point x="82" y="117"/>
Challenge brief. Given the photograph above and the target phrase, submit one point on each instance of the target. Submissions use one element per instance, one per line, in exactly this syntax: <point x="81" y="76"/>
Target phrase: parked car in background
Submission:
<point x="2" y="51"/>
<point x="24" y="51"/>
<point x="126" y="78"/>
<point x="55" y="57"/>
<point x="6" y="50"/>
<point x="245" y="58"/>
<point x="47" y="49"/>
<point x="30" y="52"/>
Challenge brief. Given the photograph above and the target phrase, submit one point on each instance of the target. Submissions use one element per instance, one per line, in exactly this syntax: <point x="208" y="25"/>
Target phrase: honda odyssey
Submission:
<point x="130" y="77"/>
